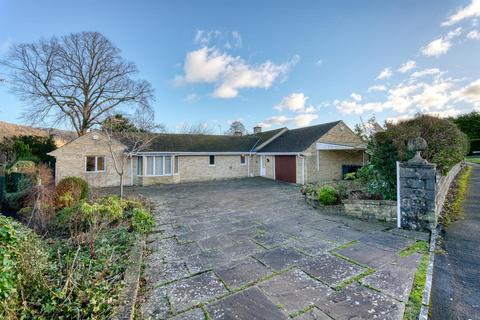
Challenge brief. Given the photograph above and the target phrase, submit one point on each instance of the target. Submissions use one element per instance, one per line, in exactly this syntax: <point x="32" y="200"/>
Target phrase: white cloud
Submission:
<point x="191" y="97"/>
<point x="385" y="74"/>
<point x="473" y="35"/>
<point x="409" y="65"/>
<point x="229" y="73"/>
<point x="377" y="88"/>
<point x="356" y="96"/>
<point x="470" y="93"/>
<point x="437" y="47"/>
<point x="441" y="45"/>
<point x="469" y="11"/>
<point x="319" y="63"/>
<point x="5" y="45"/>
<point x="300" y="120"/>
<point x="228" y="40"/>
<point x="296" y="102"/>
<point x="425" y="72"/>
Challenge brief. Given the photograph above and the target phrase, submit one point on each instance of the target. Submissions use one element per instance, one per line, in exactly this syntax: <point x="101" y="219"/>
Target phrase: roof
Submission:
<point x="298" y="140"/>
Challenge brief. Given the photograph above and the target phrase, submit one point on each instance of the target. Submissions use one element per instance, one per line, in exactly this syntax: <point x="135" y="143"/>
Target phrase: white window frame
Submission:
<point x="244" y="157"/>
<point x="96" y="164"/>
<point x="145" y="174"/>
<point x="214" y="160"/>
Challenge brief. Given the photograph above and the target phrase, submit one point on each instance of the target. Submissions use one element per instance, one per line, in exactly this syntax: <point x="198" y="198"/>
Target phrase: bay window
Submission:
<point x="155" y="166"/>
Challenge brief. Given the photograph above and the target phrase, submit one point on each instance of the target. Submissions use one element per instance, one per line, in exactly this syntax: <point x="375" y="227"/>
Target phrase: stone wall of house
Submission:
<point x="71" y="158"/>
<point x="197" y="168"/>
<point x="330" y="163"/>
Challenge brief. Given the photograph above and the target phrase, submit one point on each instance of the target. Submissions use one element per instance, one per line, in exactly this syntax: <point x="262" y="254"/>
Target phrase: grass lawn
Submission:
<point x="474" y="159"/>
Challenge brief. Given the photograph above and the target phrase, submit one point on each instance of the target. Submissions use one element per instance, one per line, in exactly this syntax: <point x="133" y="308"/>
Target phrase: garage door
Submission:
<point x="286" y="168"/>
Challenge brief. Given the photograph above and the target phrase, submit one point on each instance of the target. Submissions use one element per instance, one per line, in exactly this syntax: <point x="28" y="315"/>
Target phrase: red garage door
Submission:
<point x="286" y="168"/>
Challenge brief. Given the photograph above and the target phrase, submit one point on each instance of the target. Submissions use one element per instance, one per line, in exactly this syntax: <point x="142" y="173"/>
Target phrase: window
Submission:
<point x="159" y="166"/>
<point x="95" y="164"/>
<point x="168" y="165"/>
<point x="140" y="166"/>
<point x="242" y="159"/>
<point x="175" y="168"/>
<point x="211" y="160"/>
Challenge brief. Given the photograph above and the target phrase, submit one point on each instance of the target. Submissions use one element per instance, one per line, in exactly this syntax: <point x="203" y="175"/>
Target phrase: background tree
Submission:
<point x="79" y="79"/>
<point x="125" y="144"/>
<point x="365" y="130"/>
<point x="236" y="126"/>
<point x="197" y="128"/>
<point x="469" y="123"/>
<point x="33" y="148"/>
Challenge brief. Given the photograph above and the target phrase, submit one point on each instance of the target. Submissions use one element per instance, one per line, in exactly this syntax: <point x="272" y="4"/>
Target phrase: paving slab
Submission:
<point x="386" y="240"/>
<point x="358" y="302"/>
<point x="247" y="304"/>
<point x="207" y="260"/>
<point x="313" y="245"/>
<point x="271" y="238"/>
<point x="243" y="272"/>
<point x="156" y="305"/>
<point x="189" y="292"/>
<point x="194" y="314"/>
<point x="395" y="279"/>
<point x="280" y="258"/>
<point x="294" y="290"/>
<point x="313" y="314"/>
<point x="372" y="256"/>
<point x="330" y="269"/>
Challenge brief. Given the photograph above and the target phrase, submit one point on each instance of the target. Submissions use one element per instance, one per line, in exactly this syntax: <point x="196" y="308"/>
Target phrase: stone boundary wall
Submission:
<point x="381" y="210"/>
<point x="443" y="184"/>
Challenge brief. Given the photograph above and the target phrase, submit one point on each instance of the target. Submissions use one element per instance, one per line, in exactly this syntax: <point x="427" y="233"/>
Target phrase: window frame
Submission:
<point x="210" y="157"/>
<point x="96" y="164"/>
<point x="145" y="168"/>
<point x="244" y="157"/>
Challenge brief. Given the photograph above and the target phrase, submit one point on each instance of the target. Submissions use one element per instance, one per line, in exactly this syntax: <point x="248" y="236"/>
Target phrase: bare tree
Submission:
<point x="365" y="130"/>
<point x="197" y="128"/>
<point x="125" y="144"/>
<point x="78" y="79"/>
<point x="236" y="127"/>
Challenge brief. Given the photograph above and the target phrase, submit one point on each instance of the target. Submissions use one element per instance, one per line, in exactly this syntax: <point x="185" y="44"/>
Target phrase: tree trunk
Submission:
<point x="121" y="186"/>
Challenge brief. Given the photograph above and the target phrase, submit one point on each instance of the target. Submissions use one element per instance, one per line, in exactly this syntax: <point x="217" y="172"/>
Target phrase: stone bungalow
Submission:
<point x="319" y="153"/>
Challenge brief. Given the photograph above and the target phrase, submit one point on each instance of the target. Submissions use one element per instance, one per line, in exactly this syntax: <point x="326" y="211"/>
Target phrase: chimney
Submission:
<point x="237" y="133"/>
<point x="257" y="129"/>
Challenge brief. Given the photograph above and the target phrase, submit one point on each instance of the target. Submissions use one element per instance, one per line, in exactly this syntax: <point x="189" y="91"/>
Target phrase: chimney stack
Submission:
<point x="257" y="129"/>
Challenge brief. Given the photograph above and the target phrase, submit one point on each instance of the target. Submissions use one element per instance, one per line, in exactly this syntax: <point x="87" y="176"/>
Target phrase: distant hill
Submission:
<point x="60" y="136"/>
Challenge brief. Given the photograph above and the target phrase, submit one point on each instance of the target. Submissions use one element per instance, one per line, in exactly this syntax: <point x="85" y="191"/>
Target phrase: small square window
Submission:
<point x="211" y="160"/>
<point x="95" y="163"/>
<point x="242" y="159"/>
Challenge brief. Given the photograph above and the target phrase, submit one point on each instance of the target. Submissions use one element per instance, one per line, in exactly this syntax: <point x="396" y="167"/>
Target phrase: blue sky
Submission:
<point x="277" y="63"/>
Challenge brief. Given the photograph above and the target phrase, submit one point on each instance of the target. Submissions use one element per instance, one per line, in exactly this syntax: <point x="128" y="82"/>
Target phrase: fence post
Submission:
<point x="417" y="184"/>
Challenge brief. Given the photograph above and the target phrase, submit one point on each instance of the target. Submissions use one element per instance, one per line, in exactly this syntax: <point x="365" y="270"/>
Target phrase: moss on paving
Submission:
<point x="453" y="206"/>
<point x="414" y="304"/>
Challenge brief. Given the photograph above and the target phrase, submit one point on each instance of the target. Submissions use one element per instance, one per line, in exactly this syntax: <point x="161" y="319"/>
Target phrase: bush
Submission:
<point x="70" y="191"/>
<point x="350" y="176"/>
<point x="327" y="195"/>
<point x="447" y="145"/>
<point x="142" y="220"/>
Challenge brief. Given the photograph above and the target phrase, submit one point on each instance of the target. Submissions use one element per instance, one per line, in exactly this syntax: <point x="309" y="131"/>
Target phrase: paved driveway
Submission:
<point x="252" y="249"/>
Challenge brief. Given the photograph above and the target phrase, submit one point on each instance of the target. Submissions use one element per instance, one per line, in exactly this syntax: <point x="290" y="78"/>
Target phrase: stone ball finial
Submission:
<point x="417" y="145"/>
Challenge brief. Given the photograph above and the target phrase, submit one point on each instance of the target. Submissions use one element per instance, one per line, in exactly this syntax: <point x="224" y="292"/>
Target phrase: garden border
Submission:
<point x="125" y="310"/>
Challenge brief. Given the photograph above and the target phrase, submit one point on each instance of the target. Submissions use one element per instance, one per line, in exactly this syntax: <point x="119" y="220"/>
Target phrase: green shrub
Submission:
<point x="350" y="176"/>
<point x="70" y="191"/>
<point x="327" y="195"/>
<point x="142" y="220"/>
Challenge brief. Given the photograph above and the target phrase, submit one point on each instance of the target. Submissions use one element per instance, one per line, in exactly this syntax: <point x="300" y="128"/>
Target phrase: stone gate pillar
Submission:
<point x="417" y="184"/>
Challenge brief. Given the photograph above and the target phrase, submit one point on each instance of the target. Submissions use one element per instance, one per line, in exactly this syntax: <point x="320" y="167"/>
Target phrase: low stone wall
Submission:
<point x="381" y="210"/>
<point x="443" y="184"/>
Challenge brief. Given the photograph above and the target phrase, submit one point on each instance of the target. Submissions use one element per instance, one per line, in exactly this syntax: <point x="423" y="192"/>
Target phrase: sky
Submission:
<point x="275" y="63"/>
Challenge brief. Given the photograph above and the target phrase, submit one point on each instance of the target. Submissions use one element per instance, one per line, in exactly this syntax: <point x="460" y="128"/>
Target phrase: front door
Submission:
<point x="263" y="168"/>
